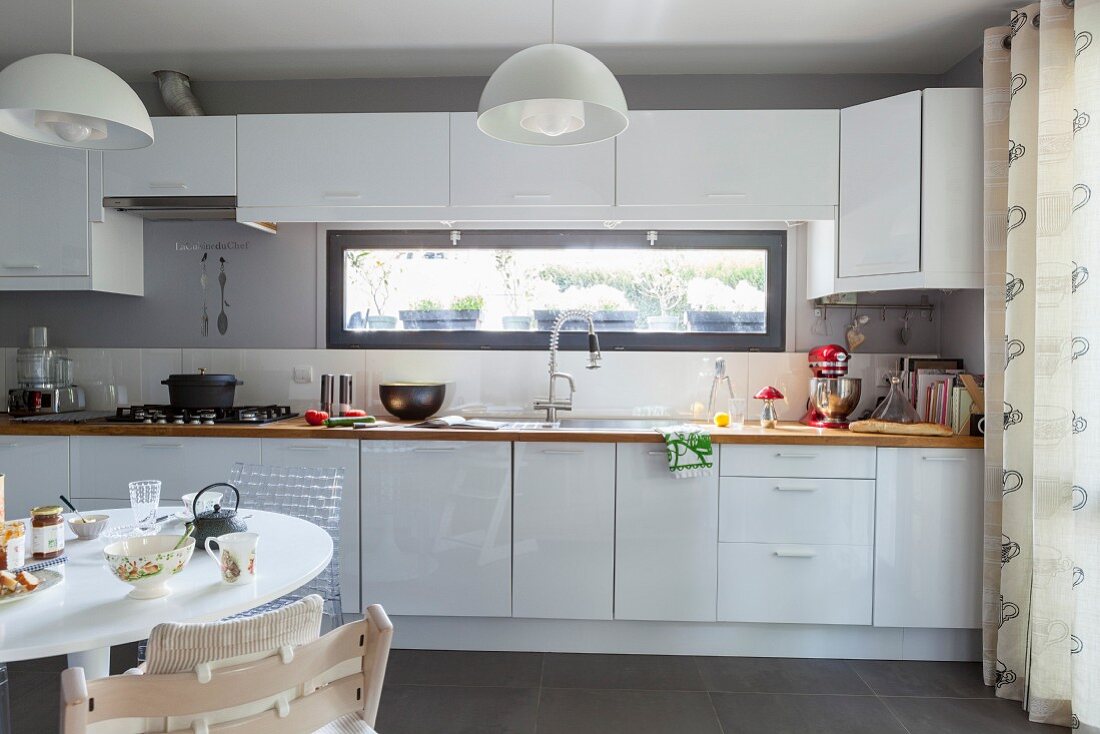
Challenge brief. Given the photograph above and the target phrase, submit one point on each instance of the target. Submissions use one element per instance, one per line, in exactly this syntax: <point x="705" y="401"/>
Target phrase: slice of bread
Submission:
<point x="8" y="581"/>
<point x="29" y="581"/>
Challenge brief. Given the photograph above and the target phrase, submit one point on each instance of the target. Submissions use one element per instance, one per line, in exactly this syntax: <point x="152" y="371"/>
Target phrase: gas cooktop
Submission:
<point x="166" y="414"/>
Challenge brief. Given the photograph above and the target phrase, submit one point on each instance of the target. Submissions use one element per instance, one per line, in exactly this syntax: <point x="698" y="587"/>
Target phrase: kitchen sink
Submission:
<point x="630" y="424"/>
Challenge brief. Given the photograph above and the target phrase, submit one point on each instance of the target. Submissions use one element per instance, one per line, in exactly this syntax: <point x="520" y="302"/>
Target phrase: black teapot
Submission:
<point x="220" y="520"/>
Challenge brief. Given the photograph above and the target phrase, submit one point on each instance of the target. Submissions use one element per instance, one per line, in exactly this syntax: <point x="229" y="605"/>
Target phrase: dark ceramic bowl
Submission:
<point x="412" y="401"/>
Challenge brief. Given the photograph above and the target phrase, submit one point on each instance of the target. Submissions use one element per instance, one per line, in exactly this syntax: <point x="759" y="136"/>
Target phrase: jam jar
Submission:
<point x="47" y="532"/>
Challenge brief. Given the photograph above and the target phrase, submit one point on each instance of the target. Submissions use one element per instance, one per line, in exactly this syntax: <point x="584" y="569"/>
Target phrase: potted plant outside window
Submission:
<point x="609" y="307"/>
<point x="715" y="307"/>
<point x="665" y="285"/>
<point x="428" y="315"/>
<point x="375" y="272"/>
<point x="517" y="290"/>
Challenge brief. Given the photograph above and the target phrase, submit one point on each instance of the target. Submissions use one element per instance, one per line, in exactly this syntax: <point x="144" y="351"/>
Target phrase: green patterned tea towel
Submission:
<point x="689" y="450"/>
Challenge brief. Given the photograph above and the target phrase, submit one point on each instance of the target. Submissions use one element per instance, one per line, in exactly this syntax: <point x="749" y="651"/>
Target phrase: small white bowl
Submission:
<point x="91" y="529"/>
<point x="147" y="562"/>
<point x="209" y="499"/>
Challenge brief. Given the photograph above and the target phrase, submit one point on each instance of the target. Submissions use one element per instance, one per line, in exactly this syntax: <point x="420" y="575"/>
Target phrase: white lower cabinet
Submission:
<point x="324" y="453"/>
<point x="437" y="527"/>
<point x="928" y="544"/>
<point x="563" y="534"/>
<point x="36" y="471"/>
<point x="103" y="466"/>
<point x="782" y="582"/>
<point x="666" y="537"/>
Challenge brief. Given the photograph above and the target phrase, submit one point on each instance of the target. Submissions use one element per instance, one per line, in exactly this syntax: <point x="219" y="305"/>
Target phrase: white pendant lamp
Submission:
<point x="71" y="102"/>
<point x="552" y="94"/>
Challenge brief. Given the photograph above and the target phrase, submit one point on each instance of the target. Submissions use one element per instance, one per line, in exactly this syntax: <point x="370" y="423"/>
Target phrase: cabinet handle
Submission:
<point x="562" y="452"/>
<point x="942" y="458"/>
<point x="795" y="456"/>
<point x="795" y="489"/>
<point x="658" y="453"/>
<point x="162" y="446"/>
<point x="340" y="195"/>
<point x="167" y="185"/>
<point x="795" y="553"/>
<point x="726" y="196"/>
<point x="20" y="266"/>
<point x="9" y="445"/>
<point x="433" y="449"/>
<point x="307" y="448"/>
<point x="530" y="196"/>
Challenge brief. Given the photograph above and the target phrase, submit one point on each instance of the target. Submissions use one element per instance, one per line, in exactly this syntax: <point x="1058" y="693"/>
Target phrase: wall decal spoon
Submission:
<point x="223" y="320"/>
<point x="204" y="322"/>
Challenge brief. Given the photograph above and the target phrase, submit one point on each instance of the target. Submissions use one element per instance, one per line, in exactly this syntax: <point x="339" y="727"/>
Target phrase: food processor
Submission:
<point x="44" y="379"/>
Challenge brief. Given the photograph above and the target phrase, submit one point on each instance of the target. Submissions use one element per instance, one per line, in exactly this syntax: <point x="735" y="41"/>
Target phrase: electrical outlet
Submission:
<point x="302" y="375"/>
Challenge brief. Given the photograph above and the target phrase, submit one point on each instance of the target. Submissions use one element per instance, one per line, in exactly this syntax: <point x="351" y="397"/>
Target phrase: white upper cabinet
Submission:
<point x="880" y="181"/>
<point x="343" y="160"/>
<point x="54" y="232"/>
<point x="928" y="538"/>
<point x="729" y="157"/>
<point x="910" y="197"/>
<point x="191" y="156"/>
<point x="489" y="172"/>
<point x="43" y="209"/>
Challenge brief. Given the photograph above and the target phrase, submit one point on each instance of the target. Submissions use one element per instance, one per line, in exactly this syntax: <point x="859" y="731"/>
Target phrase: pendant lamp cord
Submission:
<point x="72" y="27"/>
<point x="553" y="13"/>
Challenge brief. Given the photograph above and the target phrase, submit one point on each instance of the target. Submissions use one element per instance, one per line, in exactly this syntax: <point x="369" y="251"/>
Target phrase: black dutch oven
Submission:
<point x="201" y="390"/>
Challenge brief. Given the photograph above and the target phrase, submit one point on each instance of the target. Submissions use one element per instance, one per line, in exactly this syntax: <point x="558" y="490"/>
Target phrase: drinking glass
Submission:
<point x="737" y="412"/>
<point x="144" y="500"/>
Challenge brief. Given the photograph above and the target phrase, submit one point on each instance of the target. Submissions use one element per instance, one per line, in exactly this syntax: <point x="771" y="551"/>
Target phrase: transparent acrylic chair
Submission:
<point x="308" y="493"/>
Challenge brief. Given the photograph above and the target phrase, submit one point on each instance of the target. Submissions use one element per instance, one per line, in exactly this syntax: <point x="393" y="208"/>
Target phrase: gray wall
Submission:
<point x="271" y="287"/>
<point x="461" y="94"/>
<point x="966" y="73"/>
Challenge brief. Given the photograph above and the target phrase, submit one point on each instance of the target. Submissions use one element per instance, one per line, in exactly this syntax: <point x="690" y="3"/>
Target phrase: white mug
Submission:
<point x="236" y="556"/>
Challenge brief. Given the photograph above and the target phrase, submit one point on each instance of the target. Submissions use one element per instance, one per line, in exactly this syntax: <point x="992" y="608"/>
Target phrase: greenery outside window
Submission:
<point x="504" y="289"/>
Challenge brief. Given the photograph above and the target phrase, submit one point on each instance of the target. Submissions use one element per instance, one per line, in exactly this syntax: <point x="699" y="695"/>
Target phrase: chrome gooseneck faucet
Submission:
<point x="551" y="404"/>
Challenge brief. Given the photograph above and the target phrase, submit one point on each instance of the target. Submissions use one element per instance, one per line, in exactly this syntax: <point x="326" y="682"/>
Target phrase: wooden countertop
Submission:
<point x="296" y="428"/>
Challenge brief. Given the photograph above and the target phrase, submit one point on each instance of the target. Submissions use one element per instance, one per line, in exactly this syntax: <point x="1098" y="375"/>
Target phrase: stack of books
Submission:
<point x="937" y="389"/>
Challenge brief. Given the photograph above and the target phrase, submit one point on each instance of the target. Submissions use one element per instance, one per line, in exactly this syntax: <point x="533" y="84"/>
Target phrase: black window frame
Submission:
<point x="772" y="340"/>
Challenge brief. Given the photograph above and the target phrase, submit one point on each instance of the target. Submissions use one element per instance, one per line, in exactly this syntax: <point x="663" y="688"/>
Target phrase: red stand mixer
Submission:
<point x="833" y="395"/>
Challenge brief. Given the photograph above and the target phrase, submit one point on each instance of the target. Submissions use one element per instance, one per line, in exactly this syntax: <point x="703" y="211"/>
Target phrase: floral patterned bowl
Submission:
<point x="147" y="562"/>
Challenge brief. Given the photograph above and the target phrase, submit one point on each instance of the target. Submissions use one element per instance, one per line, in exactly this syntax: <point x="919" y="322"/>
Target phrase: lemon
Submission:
<point x="721" y="419"/>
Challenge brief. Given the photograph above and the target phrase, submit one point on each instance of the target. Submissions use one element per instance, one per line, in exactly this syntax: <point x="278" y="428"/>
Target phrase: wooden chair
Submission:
<point x="329" y="686"/>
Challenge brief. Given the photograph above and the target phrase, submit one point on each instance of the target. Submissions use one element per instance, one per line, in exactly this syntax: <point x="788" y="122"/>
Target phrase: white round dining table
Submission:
<point x="90" y="610"/>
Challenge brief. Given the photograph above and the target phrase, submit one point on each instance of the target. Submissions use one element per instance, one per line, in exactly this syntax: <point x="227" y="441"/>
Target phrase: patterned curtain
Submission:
<point x="1041" y="634"/>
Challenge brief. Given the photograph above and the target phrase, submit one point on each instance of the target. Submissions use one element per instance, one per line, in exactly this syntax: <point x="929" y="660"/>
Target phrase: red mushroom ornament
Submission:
<point x="768" y="417"/>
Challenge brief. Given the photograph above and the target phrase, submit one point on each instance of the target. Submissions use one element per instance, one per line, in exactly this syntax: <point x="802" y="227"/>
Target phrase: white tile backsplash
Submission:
<point x="490" y="383"/>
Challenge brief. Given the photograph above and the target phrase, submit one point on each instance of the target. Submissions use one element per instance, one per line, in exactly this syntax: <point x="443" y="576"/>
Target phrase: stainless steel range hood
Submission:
<point x="183" y="208"/>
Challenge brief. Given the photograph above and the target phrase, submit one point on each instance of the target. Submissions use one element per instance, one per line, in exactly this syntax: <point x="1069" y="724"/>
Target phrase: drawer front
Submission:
<point x="802" y="584"/>
<point x="103" y="467"/>
<point x="815" y="511"/>
<point x="35" y="469"/>
<point x="813" y="462"/>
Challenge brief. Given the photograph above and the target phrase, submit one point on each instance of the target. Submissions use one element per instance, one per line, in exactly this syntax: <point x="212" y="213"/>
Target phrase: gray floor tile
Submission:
<point x="574" y="711"/>
<point x="34" y="698"/>
<point x="923" y="678"/>
<point x="753" y="713"/>
<point x="461" y="668"/>
<point x="640" y="672"/>
<point x="960" y="716"/>
<point x="457" y="710"/>
<point x="780" y="675"/>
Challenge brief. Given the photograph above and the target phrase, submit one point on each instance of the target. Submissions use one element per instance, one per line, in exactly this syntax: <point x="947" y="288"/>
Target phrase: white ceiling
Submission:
<point x="286" y="39"/>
